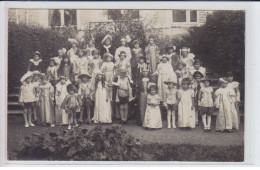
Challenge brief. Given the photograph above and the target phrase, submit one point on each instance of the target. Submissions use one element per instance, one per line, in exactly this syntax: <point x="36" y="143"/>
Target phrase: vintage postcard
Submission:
<point x="119" y="84"/>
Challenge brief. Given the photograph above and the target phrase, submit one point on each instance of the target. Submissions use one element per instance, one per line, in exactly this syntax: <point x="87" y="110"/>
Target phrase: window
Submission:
<point x="179" y="16"/>
<point x="67" y="17"/>
<point x="54" y="17"/>
<point x="70" y="17"/>
<point x="193" y="16"/>
<point x="117" y="14"/>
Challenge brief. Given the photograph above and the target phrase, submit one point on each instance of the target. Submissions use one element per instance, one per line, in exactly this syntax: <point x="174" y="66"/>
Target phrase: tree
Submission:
<point x="220" y="42"/>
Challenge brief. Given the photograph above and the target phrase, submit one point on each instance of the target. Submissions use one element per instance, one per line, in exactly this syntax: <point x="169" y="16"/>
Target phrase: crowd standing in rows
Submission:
<point x="91" y="85"/>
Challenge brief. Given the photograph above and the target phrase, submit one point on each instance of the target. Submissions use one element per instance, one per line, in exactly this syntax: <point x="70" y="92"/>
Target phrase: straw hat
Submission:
<point x="52" y="59"/>
<point x="26" y="76"/>
<point x="73" y="41"/>
<point x="169" y="81"/>
<point x="164" y="56"/>
<point x="85" y="74"/>
<point x="222" y="80"/>
<point x="151" y="85"/>
<point x="37" y="52"/>
<point x="186" y="49"/>
<point x="36" y="72"/>
<point x="105" y="38"/>
<point x="108" y="55"/>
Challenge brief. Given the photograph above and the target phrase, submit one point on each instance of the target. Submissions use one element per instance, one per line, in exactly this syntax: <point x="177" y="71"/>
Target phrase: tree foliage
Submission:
<point x="220" y="43"/>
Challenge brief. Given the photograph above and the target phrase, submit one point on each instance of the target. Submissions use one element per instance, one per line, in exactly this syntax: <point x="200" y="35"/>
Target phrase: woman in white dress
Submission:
<point x="102" y="110"/>
<point x="187" y="57"/>
<point x="73" y="51"/>
<point x="153" y="118"/>
<point x="186" y="107"/>
<point x="164" y="72"/>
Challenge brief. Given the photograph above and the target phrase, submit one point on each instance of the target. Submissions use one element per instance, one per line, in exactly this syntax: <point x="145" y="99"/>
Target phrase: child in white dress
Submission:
<point x="170" y="101"/>
<point x="234" y="85"/>
<point x="186" y="107"/>
<point x="27" y="98"/>
<point x="181" y="73"/>
<point x="86" y="91"/>
<point x="153" y="118"/>
<point x="227" y="114"/>
<point x="36" y="82"/>
<point x="103" y="110"/>
<point x="197" y="67"/>
<point x="60" y="94"/>
<point x="46" y="99"/>
<point x="123" y="63"/>
<point x="206" y="104"/>
<point x="52" y="72"/>
<point x="108" y="69"/>
<point x="164" y="72"/>
<point x="73" y="51"/>
<point x="95" y="66"/>
<point x="80" y="65"/>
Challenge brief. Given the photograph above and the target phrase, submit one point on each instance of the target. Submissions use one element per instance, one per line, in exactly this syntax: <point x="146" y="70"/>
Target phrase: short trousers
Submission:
<point x="206" y="111"/>
<point x="123" y="100"/>
<point x="172" y="107"/>
<point x="87" y="102"/>
<point x="29" y="104"/>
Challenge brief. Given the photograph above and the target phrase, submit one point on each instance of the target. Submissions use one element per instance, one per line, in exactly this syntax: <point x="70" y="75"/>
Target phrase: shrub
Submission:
<point x="98" y="144"/>
<point x="220" y="42"/>
<point x="23" y="40"/>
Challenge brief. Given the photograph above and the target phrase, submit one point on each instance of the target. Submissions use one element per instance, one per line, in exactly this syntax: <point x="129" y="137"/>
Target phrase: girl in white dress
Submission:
<point x="234" y="85"/>
<point x="102" y="111"/>
<point x="95" y="66"/>
<point x="227" y="115"/>
<point x="52" y="72"/>
<point x="164" y="72"/>
<point x="108" y="69"/>
<point x="61" y="92"/>
<point x="153" y="118"/>
<point x="73" y="51"/>
<point x="186" y="108"/>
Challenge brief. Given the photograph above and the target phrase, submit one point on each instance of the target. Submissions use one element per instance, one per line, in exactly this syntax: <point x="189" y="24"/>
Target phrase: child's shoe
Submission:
<point x="69" y="127"/>
<point x="26" y="125"/>
<point x="173" y="126"/>
<point x="76" y="125"/>
<point x="31" y="124"/>
<point x="52" y="125"/>
<point x="169" y="126"/>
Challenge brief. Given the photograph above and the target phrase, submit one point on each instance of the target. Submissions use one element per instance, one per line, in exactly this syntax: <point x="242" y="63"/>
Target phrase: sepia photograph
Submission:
<point x="126" y="85"/>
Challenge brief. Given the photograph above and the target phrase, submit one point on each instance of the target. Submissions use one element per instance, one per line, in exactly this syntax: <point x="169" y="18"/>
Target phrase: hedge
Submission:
<point x="23" y="40"/>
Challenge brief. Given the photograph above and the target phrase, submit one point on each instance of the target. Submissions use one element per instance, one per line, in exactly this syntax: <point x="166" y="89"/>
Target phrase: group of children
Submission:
<point x="96" y="85"/>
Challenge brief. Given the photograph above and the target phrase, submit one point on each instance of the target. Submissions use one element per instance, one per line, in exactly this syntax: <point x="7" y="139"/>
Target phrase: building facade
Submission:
<point x="170" y="21"/>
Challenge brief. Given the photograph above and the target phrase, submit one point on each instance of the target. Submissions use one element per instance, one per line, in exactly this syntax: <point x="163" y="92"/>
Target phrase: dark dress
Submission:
<point x="175" y="59"/>
<point x="141" y="93"/>
<point x="35" y="67"/>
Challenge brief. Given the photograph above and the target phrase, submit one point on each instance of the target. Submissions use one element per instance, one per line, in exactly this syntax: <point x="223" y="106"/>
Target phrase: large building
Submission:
<point x="170" y="21"/>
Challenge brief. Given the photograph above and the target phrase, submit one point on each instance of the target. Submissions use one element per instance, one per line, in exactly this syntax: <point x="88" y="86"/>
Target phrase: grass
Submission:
<point x="188" y="152"/>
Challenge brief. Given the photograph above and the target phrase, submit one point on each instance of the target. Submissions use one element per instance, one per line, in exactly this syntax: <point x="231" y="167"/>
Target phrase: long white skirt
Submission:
<point x="102" y="111"/>
<point x="152" y="118"/>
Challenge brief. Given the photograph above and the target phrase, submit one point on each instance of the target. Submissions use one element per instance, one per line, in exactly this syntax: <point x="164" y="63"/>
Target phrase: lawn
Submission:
<point x="155" y="145"/>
